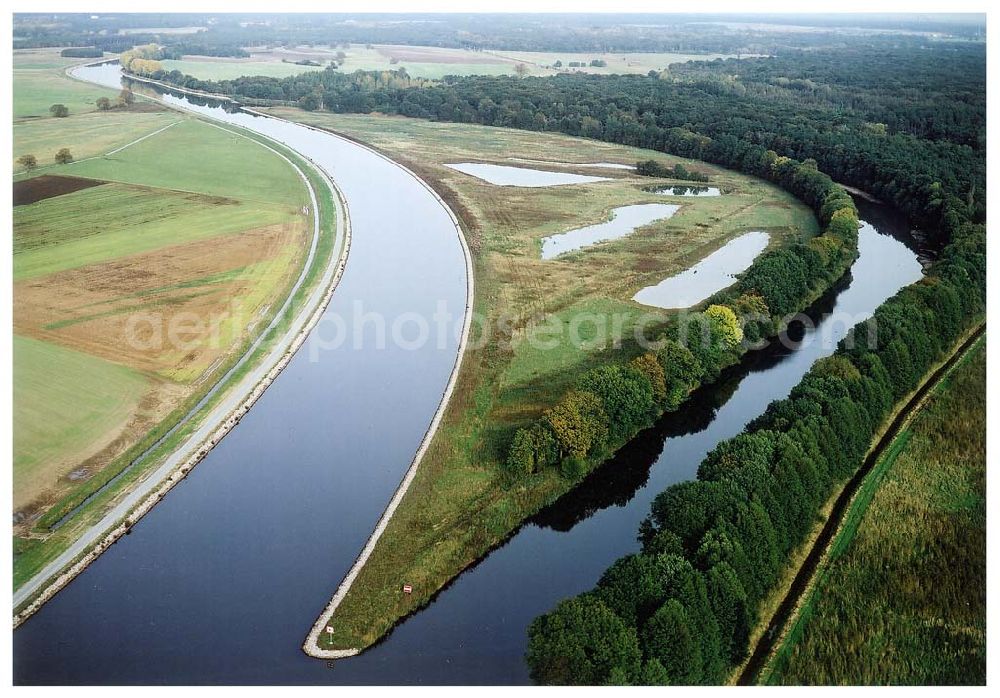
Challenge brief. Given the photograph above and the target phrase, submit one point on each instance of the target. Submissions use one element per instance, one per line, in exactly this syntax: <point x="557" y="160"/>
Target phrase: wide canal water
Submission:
<point x="221" y="581"/>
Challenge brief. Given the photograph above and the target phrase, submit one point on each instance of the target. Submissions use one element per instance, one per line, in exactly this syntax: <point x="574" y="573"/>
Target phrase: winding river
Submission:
<point x="222" y="580"/>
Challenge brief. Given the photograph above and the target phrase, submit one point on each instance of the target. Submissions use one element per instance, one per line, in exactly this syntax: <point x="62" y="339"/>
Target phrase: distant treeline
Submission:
<point x="82" y="52"/>
<point x="575" y="33"/>
<point x="915" y="137"/>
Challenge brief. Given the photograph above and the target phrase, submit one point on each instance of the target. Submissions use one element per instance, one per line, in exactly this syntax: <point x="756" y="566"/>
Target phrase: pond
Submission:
<point x="624" y="220"/>
<point x="709" y="276"/>
<point x="509" y="176"/>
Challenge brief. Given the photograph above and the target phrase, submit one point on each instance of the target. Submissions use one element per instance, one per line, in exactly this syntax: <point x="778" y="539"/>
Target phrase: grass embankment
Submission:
<point x="458" y="505"/>
<point x="900" y="597"/>
<point x="226" y="249"/>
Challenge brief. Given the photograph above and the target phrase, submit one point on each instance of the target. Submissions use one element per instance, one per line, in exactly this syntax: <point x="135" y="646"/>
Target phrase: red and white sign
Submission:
<point x="407" y="589"/>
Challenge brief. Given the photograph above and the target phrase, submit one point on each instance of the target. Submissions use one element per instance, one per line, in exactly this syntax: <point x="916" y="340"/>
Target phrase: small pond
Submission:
<point x="624" y="220"/>
<point x="508" y="176"/>
<point x="712" y="274"/>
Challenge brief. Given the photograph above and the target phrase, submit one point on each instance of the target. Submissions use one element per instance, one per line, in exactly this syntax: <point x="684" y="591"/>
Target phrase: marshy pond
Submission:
<point x="624" y="220"/>
<point x="712" y="274"/>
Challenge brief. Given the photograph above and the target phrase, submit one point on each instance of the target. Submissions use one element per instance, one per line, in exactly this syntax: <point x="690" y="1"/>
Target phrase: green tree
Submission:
<point x="59" y="110"/>
<point x="728" y="600"/>
<point x="648" y="365"/>
<point x="581" y="642"/>
<point x="63" y="156"/>
<point x="681" y="372"/>
<point x="670" y="638"/>
<point x="103" y="103"/>
<point x="521" y="455"/>
<point x="626" y="395"/>
<point x="579" y="423"/>
<point x="309" y="102"/>
<point x="725" y="322"/>
<point x="28" y="161"/>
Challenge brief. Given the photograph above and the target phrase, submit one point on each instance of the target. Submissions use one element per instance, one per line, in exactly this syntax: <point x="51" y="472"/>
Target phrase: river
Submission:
<point x="221" y="582"/>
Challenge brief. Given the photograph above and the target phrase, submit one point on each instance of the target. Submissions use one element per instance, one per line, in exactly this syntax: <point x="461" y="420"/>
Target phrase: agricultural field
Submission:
<point x="428" y="62"/>
<point x="39" y="82"/>
<point x="508" y="380"/>
<point x="902" y="599"/>
<point x="138" y="279"/>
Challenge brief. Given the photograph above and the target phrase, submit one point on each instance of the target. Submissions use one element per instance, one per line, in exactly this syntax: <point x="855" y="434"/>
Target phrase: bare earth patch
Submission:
<point x="29" y="191"/>
<point x="114" y="309"/>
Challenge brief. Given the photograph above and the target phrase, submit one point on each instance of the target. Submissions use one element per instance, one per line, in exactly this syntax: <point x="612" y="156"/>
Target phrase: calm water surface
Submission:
<point x="221" y="582"/>
<point x="624" y="221"/>
<point x="709" y="276"/>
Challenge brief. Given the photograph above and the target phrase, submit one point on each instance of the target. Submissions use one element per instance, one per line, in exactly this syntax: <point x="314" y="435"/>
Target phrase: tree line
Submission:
<point x="896" y="137"/>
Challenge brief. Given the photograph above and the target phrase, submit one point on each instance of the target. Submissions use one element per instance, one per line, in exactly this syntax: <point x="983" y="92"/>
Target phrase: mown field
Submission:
<point x="458" y="505"/>
<point x="902" y="598"/>
<point x="131" y="296"/>
<point x="39" y="83"/>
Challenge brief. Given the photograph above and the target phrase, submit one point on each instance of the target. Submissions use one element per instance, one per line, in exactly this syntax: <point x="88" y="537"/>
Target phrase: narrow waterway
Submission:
<point x="221" y="582"/>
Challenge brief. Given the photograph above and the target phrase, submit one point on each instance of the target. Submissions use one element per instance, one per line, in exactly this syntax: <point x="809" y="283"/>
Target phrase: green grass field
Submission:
<point x="85" y="405"/>
<point x="617" y="63"/>
<point x="227" y="165"/>
<point x="428" y="62"/>
<point x="205" y="69"/>
<point x="87" y="135"/>
<point x="902" y="598"/>
<point x="33" y="550"/>
<point x="39" y="83"/>
<point x="116" y="220"/>
<point x="458" y="506"/>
